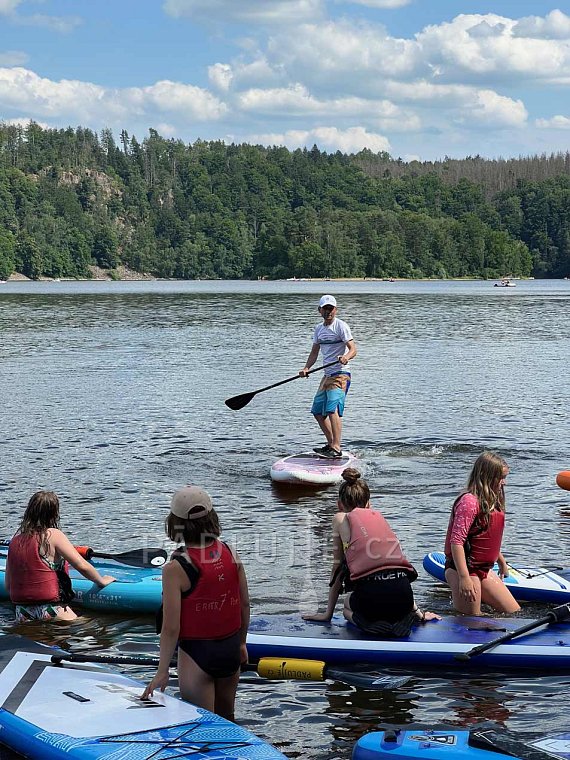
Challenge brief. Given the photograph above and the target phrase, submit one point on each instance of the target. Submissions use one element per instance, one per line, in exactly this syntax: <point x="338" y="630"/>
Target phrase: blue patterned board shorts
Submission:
<point x="331" y="394"/>
<point x="27" y="612"/>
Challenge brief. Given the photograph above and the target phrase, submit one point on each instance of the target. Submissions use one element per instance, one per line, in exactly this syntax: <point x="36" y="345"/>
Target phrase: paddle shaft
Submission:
<point x="271" y="668"/>
<point x="135" y="557"/>
<point x="556" y="615"/>
<point x="243" y="399"/>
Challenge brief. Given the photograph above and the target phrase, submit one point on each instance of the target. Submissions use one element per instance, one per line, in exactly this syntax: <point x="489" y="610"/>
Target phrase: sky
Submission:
<point x="420" y="79"/>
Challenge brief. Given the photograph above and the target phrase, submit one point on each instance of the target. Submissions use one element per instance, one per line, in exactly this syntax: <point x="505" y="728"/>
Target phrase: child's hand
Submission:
<point x="503" y="568"/>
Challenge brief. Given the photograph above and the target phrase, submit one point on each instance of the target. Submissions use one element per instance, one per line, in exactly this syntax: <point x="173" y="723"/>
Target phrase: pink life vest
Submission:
<point x="212" y="608"/>
<point x="32" y="581"/>
<point x="373" y="545"/>
<point x="483" y="543"/>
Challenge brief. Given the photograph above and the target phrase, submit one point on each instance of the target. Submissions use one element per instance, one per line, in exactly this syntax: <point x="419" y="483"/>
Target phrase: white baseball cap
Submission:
<point x="327" y="301"/>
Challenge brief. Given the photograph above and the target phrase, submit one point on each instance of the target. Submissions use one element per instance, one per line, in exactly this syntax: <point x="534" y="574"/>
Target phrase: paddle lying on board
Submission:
<point x="274" y="668"/>
<point x="238" y="402"/>
<point x="135" y="557"/>
<point x="555" y="615"/>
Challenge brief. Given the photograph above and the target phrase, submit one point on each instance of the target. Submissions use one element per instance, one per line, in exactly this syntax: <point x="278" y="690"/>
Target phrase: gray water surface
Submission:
<point x="112" y="394"/>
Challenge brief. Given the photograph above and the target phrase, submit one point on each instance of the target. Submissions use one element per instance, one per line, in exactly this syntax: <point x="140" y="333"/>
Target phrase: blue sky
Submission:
<point x="418" y="78"/>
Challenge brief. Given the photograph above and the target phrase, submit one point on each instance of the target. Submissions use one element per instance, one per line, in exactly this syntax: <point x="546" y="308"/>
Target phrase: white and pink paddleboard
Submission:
<point x="311" y="469"/>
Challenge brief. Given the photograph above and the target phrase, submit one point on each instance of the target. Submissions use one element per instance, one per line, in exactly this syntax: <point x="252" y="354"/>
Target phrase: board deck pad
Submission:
<point x="59" y="711"/>
<point x="528" y="584"/>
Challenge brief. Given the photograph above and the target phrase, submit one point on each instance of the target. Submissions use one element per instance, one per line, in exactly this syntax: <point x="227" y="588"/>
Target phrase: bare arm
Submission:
<point x="245" y="607"/>
<point x="350" y="354"/>
<point x="334" y="590"/>
<point x="63" y="546"/>
<point x="466" y="587"/>
<point x="171" y="601"/>
<point x="311" y="360"/>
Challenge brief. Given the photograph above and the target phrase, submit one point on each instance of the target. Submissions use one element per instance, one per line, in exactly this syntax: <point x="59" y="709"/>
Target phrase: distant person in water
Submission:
<point x="369" y="563"/>
<point x="205" y="607"/>
<point x="473" y="541"/>
<point x="36" y="569"/>
<point x="333" y="338"/>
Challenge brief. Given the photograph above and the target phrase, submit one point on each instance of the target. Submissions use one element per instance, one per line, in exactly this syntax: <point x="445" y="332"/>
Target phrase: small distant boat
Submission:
<point x="505" y="283"/>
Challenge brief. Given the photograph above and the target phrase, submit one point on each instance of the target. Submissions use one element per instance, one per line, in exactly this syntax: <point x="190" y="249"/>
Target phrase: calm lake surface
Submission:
<point x="113" y="396"/>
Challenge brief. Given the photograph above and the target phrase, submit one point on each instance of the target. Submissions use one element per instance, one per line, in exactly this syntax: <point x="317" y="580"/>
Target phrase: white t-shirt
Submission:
<point x="332" y="340"/>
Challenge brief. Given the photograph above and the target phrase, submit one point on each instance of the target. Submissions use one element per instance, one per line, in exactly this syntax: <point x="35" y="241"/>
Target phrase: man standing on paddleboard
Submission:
<point x="334" y="338"/>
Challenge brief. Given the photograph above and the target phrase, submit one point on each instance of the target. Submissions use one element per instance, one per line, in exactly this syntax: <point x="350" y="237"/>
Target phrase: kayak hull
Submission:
<point x="429" y="645"/>
<point x="311" y="469"/>
<point x="136" y="590"/>
<point x="92" y="712"/>
<point x="527" y="584"/>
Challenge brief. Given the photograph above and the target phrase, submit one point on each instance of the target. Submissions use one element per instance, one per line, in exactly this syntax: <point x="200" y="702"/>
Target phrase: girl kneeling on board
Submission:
<point x="473" y="541"/>
<point x="368" y="561"/>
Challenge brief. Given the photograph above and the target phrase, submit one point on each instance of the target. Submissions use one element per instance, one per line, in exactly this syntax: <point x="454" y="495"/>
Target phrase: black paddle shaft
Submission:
<point x="555" y="615"/>
<point x="238" y="402"/>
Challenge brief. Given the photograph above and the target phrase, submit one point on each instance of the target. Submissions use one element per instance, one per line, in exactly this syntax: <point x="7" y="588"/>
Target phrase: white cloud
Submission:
<point x="220" y="76"/>
<point x="23" y="121"/>
<point x="381" y="3"/>
<point x="490" y="109"/>
<point x="13" y="58"/>
<point x="556" y="122"/>
<point x="8" y="6"/>
<point x="331" y="139"/>
<point x="166" y="130"/>
<point x="85" y="102"/>
<point x="62" y="24"/>
<point x="247" y="11"/>
<point x="555" y="25"/>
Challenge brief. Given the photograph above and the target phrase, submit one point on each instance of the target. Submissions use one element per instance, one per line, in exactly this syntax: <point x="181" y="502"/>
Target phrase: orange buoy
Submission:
<point x="563" y="480"/>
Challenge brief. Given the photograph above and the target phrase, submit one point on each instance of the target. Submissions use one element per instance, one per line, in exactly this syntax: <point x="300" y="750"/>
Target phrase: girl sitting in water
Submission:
<point x="36" y="569"/>
<point x="473" y="541"/>
<point x="368" y="562"/>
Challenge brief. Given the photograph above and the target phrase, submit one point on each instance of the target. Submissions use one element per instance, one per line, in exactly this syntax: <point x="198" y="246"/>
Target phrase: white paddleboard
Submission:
<point x="311" y="469"/>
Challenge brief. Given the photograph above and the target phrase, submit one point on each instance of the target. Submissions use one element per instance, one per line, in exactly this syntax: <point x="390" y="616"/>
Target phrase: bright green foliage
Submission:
<point x="71" y="198"/>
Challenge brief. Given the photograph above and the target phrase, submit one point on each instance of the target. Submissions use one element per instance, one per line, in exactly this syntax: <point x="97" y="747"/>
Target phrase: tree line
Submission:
<point x="72" y="198"/>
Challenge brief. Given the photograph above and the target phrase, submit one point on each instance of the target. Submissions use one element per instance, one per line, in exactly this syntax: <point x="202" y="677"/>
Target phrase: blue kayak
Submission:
<point x="137" y="589"/>
<point x="448" y="743"/>
<point x="53" y="712"/>
<point x="430" y="645"/>
<point x="527" y="584"/>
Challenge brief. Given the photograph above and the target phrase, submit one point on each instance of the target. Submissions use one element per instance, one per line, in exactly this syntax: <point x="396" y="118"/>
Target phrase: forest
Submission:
<point x="72" y="198"/>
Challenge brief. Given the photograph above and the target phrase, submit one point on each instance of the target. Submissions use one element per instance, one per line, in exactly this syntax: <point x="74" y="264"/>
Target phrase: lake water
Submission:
<point x="113" y="396"/>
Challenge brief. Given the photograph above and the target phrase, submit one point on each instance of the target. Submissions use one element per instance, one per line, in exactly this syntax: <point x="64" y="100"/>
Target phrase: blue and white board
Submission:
<point x="449" y="743"/>
<point x="527" y="584"/>
<point x="311" y="469"/>
<point x="49" y="711"/>
<point x="429" y="645"/>
<point x="135" y="590"/>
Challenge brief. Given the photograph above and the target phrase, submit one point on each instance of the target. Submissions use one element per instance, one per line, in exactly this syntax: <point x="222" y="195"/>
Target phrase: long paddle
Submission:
<point x="135" y="557"/>
<point x="274" y="668"/>
<point x="238" y="402"/>
<point x="555" y="615"/>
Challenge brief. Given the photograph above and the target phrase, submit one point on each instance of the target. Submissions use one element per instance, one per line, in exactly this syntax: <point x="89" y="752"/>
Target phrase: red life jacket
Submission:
<point x="373" y="545"/>
<point x="31" y="580"/>
<point x="212" y="608"/>
<point x="483" y="544"/>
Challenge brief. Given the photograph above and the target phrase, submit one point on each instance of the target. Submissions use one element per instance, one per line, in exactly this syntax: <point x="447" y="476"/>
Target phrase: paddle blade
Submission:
<point x="238" y="402"/>
<point x="137" y="557"/>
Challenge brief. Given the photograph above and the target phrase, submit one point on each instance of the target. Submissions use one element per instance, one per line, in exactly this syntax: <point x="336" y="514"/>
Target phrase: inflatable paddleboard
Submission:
<point x="448" y="743"/>
<point x="311" y="469"/>
<point x="136" y="589"/>
<point x="527" y="584"/>
<point x="50" y="711"/>
<point x="430" y="645"/>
